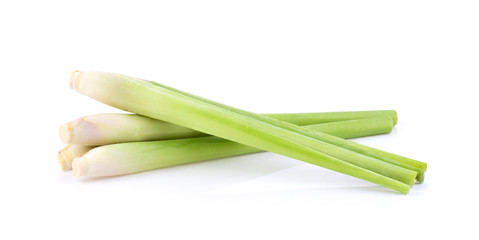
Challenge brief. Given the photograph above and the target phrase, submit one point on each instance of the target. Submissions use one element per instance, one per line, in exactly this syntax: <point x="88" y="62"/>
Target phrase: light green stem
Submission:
<point x="110" y="128"/>
<point x="355" y="128"/>
<point x="326" y="117"/>
<point x="365" y="158"/>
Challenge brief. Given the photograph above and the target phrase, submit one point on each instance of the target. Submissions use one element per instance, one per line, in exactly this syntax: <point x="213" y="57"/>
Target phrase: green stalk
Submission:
<point x="326" y="117"/>
<point x="135" y="95"/>
<point x="355" y="128"/>
<point x="109" y="128"/>
<point x="326" y="138"/>
<point x="109" y="123"/>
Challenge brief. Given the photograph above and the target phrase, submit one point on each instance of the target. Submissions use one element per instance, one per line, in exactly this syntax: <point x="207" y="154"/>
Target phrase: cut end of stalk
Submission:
<point x="406" y="191"/>
<point x="62" y="160"/>
<point x="420" y="178"/>
<point x="80" y="167"/>
<point x="394" y="117"/>
<point x="66" y="133"/>
<point x="392" y="125"/>
<point x="73" y="79"/>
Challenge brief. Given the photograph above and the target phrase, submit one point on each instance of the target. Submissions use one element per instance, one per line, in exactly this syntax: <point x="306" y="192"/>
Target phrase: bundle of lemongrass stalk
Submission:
<point x="171" y="127"/>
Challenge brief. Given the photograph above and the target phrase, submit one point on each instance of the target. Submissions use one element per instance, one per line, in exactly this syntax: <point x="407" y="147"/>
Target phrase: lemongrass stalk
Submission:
<point x="132" y="157"/>
<point x="322" y="137"/>
<point x="326" y="117"/>
<point x="355" y="128"/>
<point x="70" y="152"/>
<point x="110" y="128"/>
<point x="136" y="95"/>
<point x="346" y="129"/>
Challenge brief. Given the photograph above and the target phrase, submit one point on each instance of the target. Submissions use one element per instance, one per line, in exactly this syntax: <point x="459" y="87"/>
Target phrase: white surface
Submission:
<point x="418" y="57"/>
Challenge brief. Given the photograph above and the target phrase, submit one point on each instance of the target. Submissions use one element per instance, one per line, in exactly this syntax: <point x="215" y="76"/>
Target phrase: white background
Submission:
<point x="420" y="58"/>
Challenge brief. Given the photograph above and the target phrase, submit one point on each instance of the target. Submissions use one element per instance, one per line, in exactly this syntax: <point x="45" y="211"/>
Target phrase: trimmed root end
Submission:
<point x="62" y="160"/>
<point x="66" y="134"/>
<point x="73" y="79"/>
